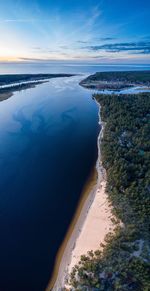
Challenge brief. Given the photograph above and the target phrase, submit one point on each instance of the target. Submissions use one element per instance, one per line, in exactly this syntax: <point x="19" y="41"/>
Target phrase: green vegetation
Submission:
<point x="117" y="80"/>
<point x="124" y="263"/>
<point x="130" y="76"/>
<point x="8" y="79"/>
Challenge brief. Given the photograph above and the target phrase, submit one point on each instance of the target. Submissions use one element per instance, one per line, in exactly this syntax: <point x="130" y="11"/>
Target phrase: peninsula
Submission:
<point x="11" y="83"/>
<point x="117" y="80"/>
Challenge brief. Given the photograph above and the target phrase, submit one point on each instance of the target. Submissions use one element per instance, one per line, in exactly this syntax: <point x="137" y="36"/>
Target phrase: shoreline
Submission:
<point x="82" y="225"/>
<point x="66" y="246"/>
<point x="117" y="82"/>
<point x="97" y="223"/>
<point x="5" y="96"/>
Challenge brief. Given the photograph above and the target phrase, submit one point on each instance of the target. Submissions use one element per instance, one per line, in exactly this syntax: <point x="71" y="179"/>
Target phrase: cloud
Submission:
<point x="82" y="41"/>
<point x="107" y="38"/>
<point x="23" y="20"/>
<point x="96" y="39"/>
<point x="44" y="50"/>
<point x="16" y="20"/>
<point x="33" y="59"/>
<point x="141" y="47"/>
<point x="64" y="47"/>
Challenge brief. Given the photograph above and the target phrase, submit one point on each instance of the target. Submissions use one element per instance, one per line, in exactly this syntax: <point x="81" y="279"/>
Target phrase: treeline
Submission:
<point x="8" y="79"/>
<point x="124" y="263"/>
<point x="136" y="77"/>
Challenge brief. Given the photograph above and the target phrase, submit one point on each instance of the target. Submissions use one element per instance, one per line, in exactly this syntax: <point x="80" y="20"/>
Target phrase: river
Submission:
<point x="48" y="146"/>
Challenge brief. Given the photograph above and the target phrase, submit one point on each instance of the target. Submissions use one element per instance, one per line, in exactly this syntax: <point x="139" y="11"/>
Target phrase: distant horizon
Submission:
<point x="69" y="67"/>
<point x="74" y="63"/>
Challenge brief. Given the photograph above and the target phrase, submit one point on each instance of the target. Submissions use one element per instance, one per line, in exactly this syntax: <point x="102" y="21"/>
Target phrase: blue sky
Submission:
<point x="106" y="31"/>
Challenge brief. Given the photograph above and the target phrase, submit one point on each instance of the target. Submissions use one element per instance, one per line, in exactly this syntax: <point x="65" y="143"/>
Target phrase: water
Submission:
<point x="47" y="150"/>
<point x="132" y="90"/>
<point x="67" y="67"/>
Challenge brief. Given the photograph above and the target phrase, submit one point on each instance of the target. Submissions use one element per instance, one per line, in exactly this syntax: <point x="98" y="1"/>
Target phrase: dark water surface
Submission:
<point x="48" y="145"/>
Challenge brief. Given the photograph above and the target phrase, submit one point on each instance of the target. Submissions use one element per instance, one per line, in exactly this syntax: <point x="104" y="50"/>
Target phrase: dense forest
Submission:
<point x="124" y="263"/>
<point x="117" y="80"/>
<point x="131" y="76"/>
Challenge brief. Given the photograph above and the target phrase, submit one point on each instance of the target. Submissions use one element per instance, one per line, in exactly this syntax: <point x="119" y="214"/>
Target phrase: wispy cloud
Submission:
<point x="82" y="41"/>
<point x="24" y="20"/>
<point x="107" y="38"/>
<point x="141" y="47"/>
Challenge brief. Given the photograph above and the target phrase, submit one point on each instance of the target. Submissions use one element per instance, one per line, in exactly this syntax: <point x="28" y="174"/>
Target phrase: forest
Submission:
<point x="117" y="80"/>
<point x="124" y="263"/>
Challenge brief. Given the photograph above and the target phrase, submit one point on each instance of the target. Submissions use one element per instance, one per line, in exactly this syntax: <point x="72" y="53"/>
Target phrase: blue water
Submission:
<point x="48" y="146"/>
<point x="62" y="67"/>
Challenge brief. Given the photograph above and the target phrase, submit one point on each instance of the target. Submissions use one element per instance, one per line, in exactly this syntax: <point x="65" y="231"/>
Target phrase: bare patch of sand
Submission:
<point x="97" y="224"/>
<point x="4" y="96"/>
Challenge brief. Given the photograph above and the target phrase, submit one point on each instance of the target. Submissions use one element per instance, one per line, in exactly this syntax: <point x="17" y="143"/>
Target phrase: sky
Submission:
<point x="99" y="31"/>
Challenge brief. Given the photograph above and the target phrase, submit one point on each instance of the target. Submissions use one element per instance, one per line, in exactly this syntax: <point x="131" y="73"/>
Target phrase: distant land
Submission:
<point x="117" y="80"/>
<point x="11" y="83"/>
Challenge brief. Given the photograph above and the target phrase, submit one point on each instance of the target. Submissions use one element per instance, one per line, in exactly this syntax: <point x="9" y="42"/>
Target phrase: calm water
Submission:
<point x="60" y="67"/>
<point x="48" y="146"/>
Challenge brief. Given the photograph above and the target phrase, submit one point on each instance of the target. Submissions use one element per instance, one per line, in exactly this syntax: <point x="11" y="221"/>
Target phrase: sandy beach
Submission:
<point x="96" y="226"/>
<point x="91" y="227"/>
<point x="65" y="251"/>
<point x="5" y="96"/>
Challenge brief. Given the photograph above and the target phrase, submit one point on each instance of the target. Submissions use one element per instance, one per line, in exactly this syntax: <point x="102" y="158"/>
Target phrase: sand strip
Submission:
<point x="5" y="96"/>
<point x="65" y="251"/>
